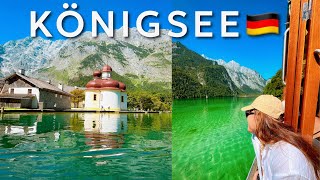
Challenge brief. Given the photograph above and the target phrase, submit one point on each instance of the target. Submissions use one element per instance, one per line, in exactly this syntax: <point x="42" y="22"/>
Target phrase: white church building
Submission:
<point x="105" y="93"/>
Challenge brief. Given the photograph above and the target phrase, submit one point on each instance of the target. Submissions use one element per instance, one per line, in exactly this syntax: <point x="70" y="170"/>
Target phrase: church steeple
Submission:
<point x="106" y="72"/>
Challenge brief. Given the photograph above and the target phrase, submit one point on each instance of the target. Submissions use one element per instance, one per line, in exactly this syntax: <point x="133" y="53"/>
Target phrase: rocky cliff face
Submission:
<point x="244" y="78"/>
<point x="135" y="57"/>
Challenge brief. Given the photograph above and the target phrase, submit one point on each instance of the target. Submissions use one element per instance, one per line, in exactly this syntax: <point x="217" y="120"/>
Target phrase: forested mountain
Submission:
<point x="193" y="76"/>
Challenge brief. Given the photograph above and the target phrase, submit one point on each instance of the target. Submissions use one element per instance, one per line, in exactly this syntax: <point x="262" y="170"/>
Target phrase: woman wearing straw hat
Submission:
<point x="280" y="153"/>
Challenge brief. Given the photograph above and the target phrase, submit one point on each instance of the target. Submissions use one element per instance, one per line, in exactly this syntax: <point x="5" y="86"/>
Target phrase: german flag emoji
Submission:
<point x="263" y="24"/>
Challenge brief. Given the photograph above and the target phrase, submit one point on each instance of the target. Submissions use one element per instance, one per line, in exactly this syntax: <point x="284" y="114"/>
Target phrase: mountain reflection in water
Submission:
<point x="80" y="145"/>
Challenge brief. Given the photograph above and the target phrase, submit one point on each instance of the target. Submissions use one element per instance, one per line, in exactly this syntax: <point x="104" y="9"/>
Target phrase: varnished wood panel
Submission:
<point x="298" y="69"/>
<point x="312" y="76"/>
<point x="291" y="60"/>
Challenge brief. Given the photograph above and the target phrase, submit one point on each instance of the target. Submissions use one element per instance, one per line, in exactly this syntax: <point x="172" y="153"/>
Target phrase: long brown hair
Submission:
<point x="270" y="131"/>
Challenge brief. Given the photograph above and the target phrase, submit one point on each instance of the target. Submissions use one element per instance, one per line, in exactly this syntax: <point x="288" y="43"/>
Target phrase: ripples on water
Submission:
<point x="73" y="145"/>
<point x="210" y="139"/>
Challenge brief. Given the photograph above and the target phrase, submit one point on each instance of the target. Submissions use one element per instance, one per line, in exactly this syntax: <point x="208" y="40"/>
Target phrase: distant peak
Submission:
<point x="234" y="63"/>
<point x="221" y="61"/>
<point x="206" y="57"/>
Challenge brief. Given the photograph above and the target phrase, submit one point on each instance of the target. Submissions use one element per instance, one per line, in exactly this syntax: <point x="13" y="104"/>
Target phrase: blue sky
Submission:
<point x="15" y="14"/>
<point x="262" y="53"/>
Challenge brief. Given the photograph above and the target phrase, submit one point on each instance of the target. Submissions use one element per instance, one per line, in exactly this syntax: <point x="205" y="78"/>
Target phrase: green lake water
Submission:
<point x="210" y="139"/>
<point x="85" y="146"/>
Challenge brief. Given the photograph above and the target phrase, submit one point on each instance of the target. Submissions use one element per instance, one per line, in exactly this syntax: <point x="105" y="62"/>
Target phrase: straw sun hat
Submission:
<point x="267" y="104"/>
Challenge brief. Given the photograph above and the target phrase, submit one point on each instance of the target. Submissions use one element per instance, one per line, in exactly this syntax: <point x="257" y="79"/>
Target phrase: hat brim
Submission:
<point x="246" y="108"/>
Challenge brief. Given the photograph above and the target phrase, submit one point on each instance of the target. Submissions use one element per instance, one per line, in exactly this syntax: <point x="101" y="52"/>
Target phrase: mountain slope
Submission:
<point x="195" y="76"/>
<point x="248" y="80"/>
<point x="137" y="60"/>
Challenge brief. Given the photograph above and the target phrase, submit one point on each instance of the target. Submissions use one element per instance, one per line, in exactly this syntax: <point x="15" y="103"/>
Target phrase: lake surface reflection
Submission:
<point x="82" y="145"/>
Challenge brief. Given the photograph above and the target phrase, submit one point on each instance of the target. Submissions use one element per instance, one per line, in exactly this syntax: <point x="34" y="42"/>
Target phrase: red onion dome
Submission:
<point x="106" y="68"/>
<point x="96" y="83"/>
<point x="122" y="86"/>
<point x="109" y="83"/>
<point x="97" y="73"/>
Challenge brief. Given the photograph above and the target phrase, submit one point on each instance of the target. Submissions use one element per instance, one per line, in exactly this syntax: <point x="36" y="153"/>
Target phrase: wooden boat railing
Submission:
<point x="301" y="69"/>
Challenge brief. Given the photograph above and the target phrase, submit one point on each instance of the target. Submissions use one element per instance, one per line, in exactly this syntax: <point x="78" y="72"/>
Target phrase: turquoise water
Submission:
<point x="85" y="146"/>
<point x="210" y="139"/>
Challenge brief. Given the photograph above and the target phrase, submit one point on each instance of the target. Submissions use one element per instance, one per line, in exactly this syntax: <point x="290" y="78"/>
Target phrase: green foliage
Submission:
<point x="78" y="96"/>
<point x="89" y="43"/>
<point x="141" y="52"/>
<point x="92" y="61"/>
<point x="43" y="70"/>
<point x="58" y="75"/>
<point x="183" y="57"/>
<point x="161" y="60"/>
<point x="115" y="50"/>
<point x="218" y="82"/>
<point x="107" y="49"/>
<point x="184" y="86"/>
<point x="133" y="76"/>
<point x="63" y="52"/>
<point x="144" y="100"/>
<point x="275" y="86"/>
<point x="145" y="95"/>
<point x="142" y="94"/>
<point x="250" y="91"/>
<point x="195" y="77"/>
<point x="80" y="81"/>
